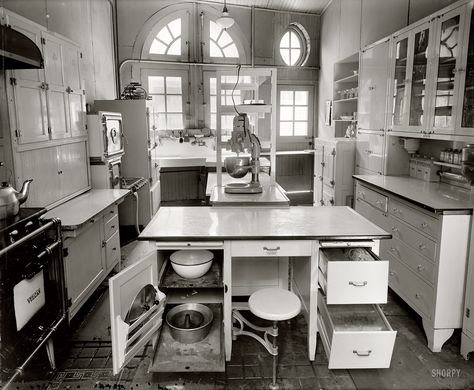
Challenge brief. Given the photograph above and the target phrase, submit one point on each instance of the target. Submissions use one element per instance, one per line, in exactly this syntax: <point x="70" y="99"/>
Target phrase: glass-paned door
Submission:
<point x="448" y="52"/>
<point x="399" y="81"/>
<point x="418" y="109"/>
<point x="466" y="113"/>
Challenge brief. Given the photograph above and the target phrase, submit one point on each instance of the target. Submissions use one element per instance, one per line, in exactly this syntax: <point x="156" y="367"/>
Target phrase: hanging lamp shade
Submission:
<point x="225" y="21"/>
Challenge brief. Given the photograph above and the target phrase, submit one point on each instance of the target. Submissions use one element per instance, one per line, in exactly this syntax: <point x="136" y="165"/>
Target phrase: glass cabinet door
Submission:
<point x="399" y="82"/>
<point x="466" y="112"/>
<point x="447" y="59"/>
<point x="417" y="109"/>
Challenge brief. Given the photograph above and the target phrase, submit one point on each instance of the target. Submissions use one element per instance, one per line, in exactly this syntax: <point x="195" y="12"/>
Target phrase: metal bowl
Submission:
<point x="190" y="322"/>
<point x="237" y="166"/>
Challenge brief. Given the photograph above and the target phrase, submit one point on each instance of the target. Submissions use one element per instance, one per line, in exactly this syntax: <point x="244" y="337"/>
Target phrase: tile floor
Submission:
<point x="84" y="360"/>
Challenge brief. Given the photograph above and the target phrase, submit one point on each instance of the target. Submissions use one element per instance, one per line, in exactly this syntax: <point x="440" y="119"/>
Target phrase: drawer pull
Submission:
<point x="395" y="210"/>
<point x="394" y="229"/>
<point x="422" y="246"/>
<point x="271" y="249"/>
<point x="379" y="202"/>
<point x="358" y="284"/>
<point x="424" y="225"/>
<point x="420" y="268"/>
<point x="395" y="251"/>
<point x="362" y="353"/>
<point x="418" y="296"/>
<point x="112" y="227"/>
<point x="111" y="211"/>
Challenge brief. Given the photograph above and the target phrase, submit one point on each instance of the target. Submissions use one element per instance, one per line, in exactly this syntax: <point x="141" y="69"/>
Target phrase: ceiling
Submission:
<point x="310" y="6"/>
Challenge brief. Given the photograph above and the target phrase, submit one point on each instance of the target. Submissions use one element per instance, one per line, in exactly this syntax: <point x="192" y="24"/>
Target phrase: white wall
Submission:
<point x="89" y="24"/>
<point x="349" y="25"/>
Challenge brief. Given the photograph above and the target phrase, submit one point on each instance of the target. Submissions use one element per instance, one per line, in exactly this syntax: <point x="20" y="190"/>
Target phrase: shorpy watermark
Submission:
<point x="445" y="372"/>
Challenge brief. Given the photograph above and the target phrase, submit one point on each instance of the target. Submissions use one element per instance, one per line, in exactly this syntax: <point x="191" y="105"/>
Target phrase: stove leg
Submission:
<point x="50" y="352"/>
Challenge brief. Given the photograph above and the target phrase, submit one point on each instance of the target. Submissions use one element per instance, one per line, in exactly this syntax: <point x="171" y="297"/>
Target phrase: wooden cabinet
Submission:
<point x="92" y="250"/>
<point x="44" y="135"/>
<point x="58" y="172"/>
<point x="333" y="170"/>
<point x="353" y="329"/>
<point x="427" y="262"/>
<point x="467" y="335"/>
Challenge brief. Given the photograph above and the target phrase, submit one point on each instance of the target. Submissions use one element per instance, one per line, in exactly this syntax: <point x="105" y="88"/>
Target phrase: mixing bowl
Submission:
<point x="190" y="322"/>
<point x="237" y="166"/>
<point x="191" y="264"/>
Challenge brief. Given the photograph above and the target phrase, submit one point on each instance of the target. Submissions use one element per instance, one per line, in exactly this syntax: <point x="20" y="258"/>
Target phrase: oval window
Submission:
<point x="294" y="45"/>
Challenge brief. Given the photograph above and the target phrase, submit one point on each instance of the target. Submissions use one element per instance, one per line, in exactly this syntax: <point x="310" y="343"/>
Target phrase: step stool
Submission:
<point x="272" y="304"/>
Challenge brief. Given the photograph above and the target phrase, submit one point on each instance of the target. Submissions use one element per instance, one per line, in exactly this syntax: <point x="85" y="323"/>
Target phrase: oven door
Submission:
<point x="115" y="172"/>
<point x="113" y="134"/>
<point x="32" y="298"/>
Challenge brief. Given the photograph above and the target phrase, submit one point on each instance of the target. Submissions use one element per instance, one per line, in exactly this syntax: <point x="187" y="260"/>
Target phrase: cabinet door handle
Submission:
<point x="362" y="353"/>
<point x="271" y="249"/>
<point x="103" y="244"/>
<point x="112" y="227"/>
<point x="358" y="284"/>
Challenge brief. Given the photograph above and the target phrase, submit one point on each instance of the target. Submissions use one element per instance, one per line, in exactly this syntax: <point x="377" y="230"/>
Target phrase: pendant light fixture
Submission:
<point x="225" y="21"/>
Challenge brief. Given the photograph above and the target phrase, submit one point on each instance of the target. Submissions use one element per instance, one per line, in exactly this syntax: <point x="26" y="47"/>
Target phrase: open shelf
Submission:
<point x="445" y="164"/>
<point x="212" y="279"/>
<point x="204" y="356"/>
<point x="247" y="109"/>
<point x="354" y="99"/>
<point x="344" y="120"/>
<point x="349" y="79"/>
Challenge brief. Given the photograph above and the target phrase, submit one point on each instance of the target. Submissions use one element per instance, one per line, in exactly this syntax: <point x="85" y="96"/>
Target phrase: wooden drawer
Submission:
<point x="419" y="264"/>
<point x="372" y="214"/>
<point x="417" y="293"/>
<point x="422" y="244"/>
<point x="421" y="221"/>
<point x="110" y="212"/>
<point x="372" y="197"/>
<point x="111" y="226"/>
<point x="353" y="282"/>
<point x="355" y="336"/>
<point x="112" y="251"/>
<point x="263" y="248"/>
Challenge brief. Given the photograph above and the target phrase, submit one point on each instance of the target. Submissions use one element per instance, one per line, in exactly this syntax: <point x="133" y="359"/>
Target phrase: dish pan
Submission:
<point x="191" y="264"/>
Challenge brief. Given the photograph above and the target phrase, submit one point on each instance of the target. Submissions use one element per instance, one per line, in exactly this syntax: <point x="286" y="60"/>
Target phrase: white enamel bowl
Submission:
<point x="191" y="264"/>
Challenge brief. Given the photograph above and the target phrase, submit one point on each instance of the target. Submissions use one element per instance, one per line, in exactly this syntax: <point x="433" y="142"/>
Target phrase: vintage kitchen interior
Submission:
<point x="236" y="194"/>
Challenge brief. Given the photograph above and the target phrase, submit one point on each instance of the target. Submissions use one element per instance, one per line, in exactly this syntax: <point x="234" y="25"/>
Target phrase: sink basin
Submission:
<point x="179" y="161"/>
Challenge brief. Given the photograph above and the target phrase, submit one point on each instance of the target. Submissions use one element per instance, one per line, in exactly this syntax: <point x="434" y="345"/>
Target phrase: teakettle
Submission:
<point x="10" y="199"/>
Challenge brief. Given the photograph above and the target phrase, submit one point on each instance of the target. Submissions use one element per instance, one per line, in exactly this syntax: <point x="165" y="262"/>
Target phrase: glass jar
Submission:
<point x="467" y="155"/>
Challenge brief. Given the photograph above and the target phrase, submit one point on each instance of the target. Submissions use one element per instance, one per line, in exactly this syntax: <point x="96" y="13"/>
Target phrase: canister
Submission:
<point x="413" y="162"/>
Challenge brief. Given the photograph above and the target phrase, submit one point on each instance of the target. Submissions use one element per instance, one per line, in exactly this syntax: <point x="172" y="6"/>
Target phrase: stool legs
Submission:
<point x="274" y="385"/>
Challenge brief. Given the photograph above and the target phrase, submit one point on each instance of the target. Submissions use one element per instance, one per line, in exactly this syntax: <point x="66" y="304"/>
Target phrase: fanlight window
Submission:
<point x="220" y="43"/>
<point x="168" y="39"/>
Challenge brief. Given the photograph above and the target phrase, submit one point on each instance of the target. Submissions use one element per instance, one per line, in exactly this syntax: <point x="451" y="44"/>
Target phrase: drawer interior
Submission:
<point x="344" y="254"/>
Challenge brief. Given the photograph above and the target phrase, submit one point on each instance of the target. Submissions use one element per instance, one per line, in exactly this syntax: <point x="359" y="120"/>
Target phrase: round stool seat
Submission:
<point x="274" y="304"/>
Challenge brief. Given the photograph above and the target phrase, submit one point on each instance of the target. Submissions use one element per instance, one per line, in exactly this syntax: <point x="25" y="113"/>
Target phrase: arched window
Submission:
<point x="221" y="45"/>
<point x="294" y="45"/>
<point x="168" y="39"/>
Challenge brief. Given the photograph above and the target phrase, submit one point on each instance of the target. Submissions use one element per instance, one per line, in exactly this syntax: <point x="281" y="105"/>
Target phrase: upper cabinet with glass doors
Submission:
<point x="465" y="112"/>
<point x="433" y="76"/>
<point x="410" y="82"/>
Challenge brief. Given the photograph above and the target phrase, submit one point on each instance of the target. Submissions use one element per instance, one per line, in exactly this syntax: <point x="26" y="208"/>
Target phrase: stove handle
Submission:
<point x="31" y="270"/>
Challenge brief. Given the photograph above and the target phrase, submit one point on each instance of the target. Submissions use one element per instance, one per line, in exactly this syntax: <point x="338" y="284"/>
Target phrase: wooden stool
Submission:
<point x="272" y="304"/>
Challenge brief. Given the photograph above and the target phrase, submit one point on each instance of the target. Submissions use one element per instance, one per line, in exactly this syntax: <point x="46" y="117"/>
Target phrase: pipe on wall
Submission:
<point x="113" y="7"/>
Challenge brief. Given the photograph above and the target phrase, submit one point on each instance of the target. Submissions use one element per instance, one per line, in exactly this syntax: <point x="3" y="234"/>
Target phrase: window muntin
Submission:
<point x="226" y="99"/>
<point x="168" y="39"/>
<point x="290" y="48"/>
<point x="167" y="101"/>
<point x="294" y="113"/>
<point x="221" y="45"/>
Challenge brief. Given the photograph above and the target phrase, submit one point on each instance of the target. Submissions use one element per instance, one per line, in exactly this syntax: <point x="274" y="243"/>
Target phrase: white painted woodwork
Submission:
<point x="112" y="250"/>
<point x="370" y="152"/>
<point x="373" y="86"/>
<point x="74" y="175"/>
<point x="271" y="248"/>
<point x="428" y="253"/>
<point x="333" y="175"/>
<point x="350" y="27"/>
<point x="467" y="335"/>
<point x="373" y="198"/>
<point x="354" y="282"/>
<point x="363" y="346"/>
<point x="123" y="288"/>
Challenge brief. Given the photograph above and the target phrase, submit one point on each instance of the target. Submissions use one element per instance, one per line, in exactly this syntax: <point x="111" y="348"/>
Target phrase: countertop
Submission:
<point x="82" y="208"/>
<point x="272" y="194"/>
<point x="254" y="223"/>
<point x="434" y="196"/>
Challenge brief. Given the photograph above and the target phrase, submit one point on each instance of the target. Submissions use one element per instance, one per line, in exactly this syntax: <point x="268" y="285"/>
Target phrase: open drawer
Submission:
<point x="137" y="316"/>
<point x="353" y="276"/>
<point x="355" y="336"/>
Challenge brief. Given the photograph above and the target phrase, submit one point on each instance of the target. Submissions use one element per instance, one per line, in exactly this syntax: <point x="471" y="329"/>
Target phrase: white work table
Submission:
<point x="82" y="208"/>
<point x="262" y="240"/>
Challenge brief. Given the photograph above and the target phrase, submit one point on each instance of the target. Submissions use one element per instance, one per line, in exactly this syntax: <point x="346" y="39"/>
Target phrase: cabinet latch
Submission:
<point x="43" y="41"/>
<point x="69" y="302"/>
<point x="468" y="312"/>
<point x="333" y="152"/>
<point x="65" y="252"/>
<point x="12" y="80"/>
<point x="17" y="133"/>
